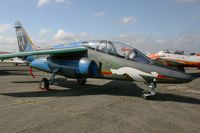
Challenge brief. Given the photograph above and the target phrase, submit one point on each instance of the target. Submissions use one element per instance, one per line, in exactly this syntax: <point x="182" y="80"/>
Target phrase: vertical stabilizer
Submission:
<point x="24" y="42"/>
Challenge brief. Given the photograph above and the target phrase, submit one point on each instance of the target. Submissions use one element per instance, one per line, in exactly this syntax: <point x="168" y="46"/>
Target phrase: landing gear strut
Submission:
<point x="151" y="93"/>
<point x="52" y="79"/>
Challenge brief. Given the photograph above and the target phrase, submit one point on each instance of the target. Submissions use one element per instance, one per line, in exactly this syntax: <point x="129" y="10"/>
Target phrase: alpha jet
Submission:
<point x="177" y="59"/>
<point x="96" y="59"/>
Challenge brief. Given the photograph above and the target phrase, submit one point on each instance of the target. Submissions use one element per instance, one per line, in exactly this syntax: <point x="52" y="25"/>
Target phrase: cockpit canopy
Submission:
<point x="118" y="49"/>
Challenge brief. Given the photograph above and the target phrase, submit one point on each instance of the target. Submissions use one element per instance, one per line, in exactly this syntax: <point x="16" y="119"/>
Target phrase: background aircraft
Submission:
<point x="177" y="59"/>
<point x="96" y="59"/>
<point x="16" y="61"/>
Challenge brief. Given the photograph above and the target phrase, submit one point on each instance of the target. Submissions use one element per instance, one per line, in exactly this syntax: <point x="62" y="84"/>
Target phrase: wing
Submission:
<point x="53" y="52"/>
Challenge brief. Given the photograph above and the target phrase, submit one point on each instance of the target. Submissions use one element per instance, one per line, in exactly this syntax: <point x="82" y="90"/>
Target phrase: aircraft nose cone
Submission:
<point x="175" y="76"/>
<point x="184" y="77"/>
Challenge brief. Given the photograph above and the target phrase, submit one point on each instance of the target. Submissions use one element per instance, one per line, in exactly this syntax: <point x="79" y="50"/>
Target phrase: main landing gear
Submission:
<point x="44" y="83"/>
<point x="151" y="93"/>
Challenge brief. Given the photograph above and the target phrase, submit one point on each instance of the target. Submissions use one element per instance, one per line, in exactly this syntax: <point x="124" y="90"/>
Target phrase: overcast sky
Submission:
<point x="149" y="25"/>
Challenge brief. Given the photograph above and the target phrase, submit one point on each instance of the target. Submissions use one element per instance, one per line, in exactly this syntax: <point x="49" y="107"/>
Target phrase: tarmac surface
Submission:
<point x="101" y="106"/>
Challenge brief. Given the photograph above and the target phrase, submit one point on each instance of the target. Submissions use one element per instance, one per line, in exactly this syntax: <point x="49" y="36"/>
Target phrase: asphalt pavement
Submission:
<point x="101" y="106"/>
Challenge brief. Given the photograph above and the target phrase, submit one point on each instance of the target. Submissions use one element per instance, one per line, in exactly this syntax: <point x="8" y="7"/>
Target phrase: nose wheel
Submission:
<point x="151" y="93"/>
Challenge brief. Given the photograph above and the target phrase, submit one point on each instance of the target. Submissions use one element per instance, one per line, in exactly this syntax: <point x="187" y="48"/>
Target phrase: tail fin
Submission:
<point x="24" y="42"/>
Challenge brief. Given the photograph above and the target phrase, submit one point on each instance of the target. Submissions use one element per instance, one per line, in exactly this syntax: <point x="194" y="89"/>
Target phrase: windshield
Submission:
<point x="136" y="55"/>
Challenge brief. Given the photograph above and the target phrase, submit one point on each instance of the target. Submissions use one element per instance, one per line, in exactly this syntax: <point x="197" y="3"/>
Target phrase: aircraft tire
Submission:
<point x="44" y="84"/>
<point x="147" y="97"/>
<point x="81" y="81"/>
<point x="144" y="97"/>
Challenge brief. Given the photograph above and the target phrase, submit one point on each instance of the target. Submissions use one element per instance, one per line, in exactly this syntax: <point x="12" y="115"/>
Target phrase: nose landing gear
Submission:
<point x="151" y="93"/>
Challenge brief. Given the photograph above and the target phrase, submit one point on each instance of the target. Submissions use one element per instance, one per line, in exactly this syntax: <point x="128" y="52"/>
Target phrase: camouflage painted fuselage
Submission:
<point x="112" y="67"/>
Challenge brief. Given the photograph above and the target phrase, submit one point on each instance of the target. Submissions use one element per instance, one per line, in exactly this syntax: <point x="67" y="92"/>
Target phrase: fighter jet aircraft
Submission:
<point x="96" y="59"/>
<point x="177" y="59"/>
